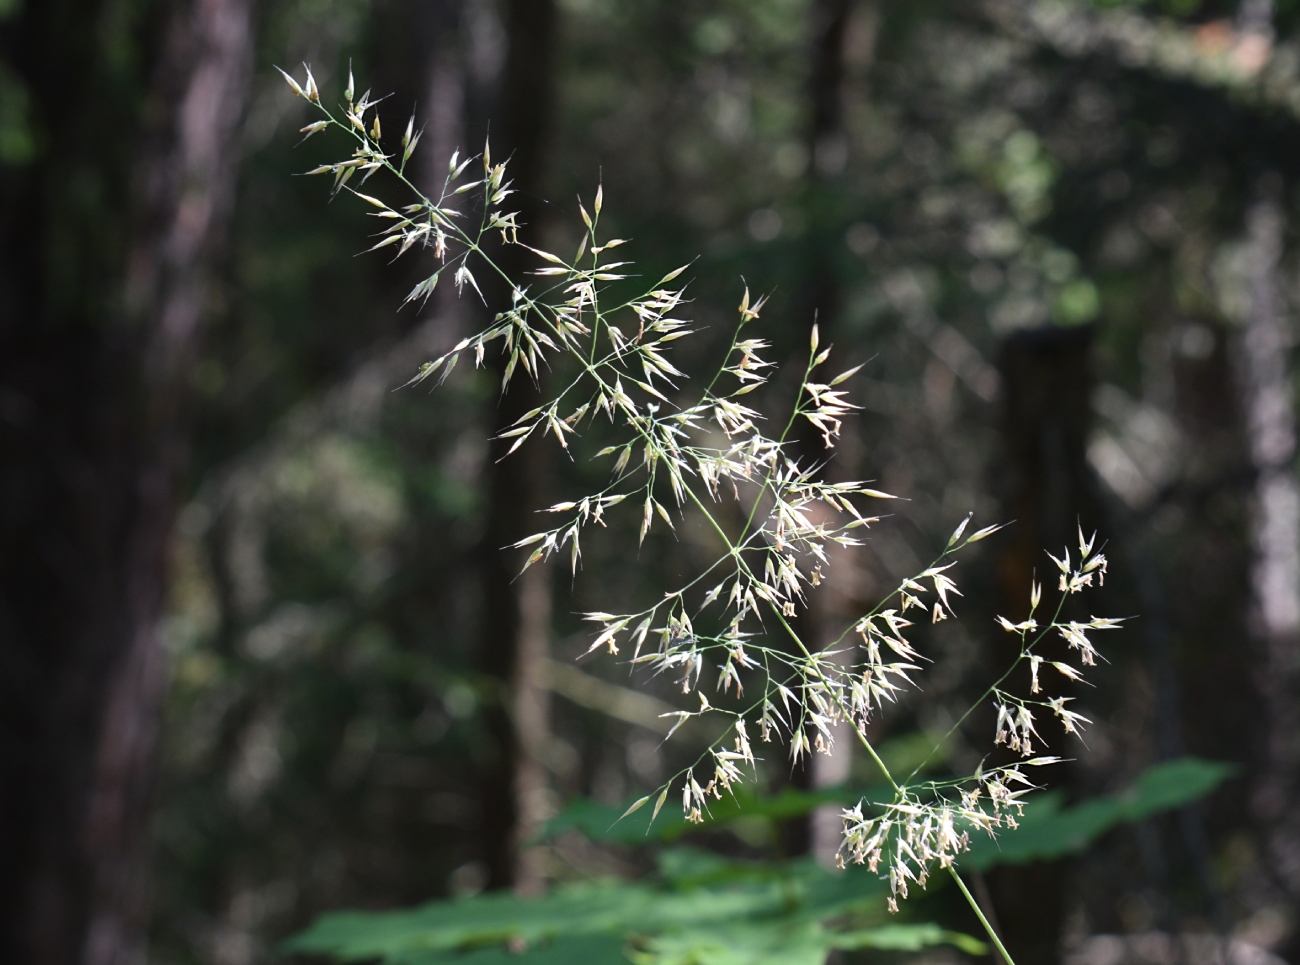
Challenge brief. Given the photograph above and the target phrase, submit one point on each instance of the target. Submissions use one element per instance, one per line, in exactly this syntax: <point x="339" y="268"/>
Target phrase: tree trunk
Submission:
<point x="1047" y="384"/>
<point x="516" y="612"/>
<point x="91" y="446"/>
<point x="819" y="831"/>
<point x="828" y="147"/>
<point x="1275" y="528"/>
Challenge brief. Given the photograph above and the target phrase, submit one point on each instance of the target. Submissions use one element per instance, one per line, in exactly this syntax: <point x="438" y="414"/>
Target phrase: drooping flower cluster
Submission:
<point x="929" y="826"/>
<point x="704" y="457"/>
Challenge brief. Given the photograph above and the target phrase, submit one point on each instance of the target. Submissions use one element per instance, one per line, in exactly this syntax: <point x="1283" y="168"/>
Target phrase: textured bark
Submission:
<point x="1275" y="528"/>
<point x="818" y="832"/>
<point x="827" y="142"/>
<point x="445" y="129"/>
<point x="517" y="612"/>
<point x="1047" y="384"/>
<point x="828" y="150"/>
<point x="91" y="446"/>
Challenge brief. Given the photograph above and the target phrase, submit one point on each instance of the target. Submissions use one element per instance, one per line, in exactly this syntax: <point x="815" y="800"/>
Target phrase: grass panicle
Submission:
<point x="727" y="631"/>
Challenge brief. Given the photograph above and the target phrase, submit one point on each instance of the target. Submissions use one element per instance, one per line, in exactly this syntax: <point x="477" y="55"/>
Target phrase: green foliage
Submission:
<point x="707" y="910"/>
<point x="1049" y="831"/>
<point x="617" y="824"/>
<point x="17" y="143"/>
<point x="700" y="909"/>
<point x="601" y="822"/>
<point x="1046" y="831"/>
<point x="697" y="120"/>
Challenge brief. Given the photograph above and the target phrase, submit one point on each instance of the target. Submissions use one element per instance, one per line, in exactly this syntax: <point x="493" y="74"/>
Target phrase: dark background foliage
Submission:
<point x="260" y="656"/>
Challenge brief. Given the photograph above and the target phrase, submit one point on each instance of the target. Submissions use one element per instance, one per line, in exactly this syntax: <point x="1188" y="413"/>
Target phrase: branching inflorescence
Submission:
<point x="706" y="454"/>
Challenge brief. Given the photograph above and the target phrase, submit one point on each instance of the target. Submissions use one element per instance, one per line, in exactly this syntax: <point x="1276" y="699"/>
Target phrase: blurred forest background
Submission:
<point x="260" y="655"/>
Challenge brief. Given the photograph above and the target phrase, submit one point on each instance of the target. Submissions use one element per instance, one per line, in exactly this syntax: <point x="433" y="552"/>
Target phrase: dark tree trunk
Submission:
<point x="1047" y="385"/>
<point x="828" y="149"/>
<point x="516" y="612"/>
<point x="93" y="377"/>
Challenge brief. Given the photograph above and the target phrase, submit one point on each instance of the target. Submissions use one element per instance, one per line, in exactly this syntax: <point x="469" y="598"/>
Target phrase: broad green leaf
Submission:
<point x="600" y="822"/>
<point x="579" y="950"/>
<point x="1048" y="831"/>
<point x="704" y="909"/>
<point x="718" y="910"/>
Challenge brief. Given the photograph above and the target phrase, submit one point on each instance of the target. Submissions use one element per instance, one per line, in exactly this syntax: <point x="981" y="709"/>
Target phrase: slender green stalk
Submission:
<point x="979" y="913"/>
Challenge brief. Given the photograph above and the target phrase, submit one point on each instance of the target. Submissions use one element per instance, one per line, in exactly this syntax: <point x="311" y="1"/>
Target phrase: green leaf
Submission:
<point x="601" y="823"/>
<point x="612" y="824"/>
<point x="704" y="909"/>
<point x="781" y="942"/>
<point x="908" y="938"/>
<point x="584" y="949"/>
<point x="499" y="919"/>
<point x="1047" y="831"/>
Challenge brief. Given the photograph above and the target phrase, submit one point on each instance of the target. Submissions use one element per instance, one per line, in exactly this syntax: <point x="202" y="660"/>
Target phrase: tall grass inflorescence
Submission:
<point x="682" y="448"/>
